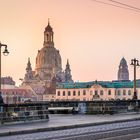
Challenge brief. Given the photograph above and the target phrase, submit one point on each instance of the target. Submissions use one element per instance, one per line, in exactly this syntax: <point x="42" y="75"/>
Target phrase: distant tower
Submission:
<point x="123" y="73"/>
<point x="29" y="72"/>
<point x="68" y="77"/>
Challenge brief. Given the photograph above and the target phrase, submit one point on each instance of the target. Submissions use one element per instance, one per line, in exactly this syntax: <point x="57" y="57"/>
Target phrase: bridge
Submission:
<point x="39" y="110"/>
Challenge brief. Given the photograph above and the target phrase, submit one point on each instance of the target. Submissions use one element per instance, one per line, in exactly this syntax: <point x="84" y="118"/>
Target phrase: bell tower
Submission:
<point x="48" y="36"/>
<point x="123" y="72"/>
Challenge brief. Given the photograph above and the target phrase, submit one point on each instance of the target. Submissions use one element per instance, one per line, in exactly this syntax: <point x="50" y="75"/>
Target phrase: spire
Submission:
<point x="28" y="68"/>
<point x="29" y="73"/>
<point x="68" y="76"/>
<point x="67" y="65"/>
<point x="48" y="21"/>
<point x="49" y="28"/>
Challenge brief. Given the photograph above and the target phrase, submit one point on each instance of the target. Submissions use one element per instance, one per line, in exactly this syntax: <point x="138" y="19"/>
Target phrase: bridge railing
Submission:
<point x="99" y="107"/>
<point x="23" y="112"/>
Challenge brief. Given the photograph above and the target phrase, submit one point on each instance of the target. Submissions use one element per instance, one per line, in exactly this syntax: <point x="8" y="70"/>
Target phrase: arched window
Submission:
<point x="47" y="37"/>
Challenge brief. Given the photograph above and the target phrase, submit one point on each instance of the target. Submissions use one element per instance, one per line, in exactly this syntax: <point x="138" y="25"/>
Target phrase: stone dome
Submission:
<point x="48" y="60"/>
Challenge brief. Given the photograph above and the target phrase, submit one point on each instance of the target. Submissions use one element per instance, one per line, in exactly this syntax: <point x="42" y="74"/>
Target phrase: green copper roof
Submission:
<point x="105" y="84"/>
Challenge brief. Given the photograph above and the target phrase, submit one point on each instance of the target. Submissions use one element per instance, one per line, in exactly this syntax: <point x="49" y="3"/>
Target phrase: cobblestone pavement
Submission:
<point x="70" y="133"/>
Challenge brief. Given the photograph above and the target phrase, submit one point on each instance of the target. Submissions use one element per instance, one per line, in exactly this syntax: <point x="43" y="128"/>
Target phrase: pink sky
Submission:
<point x="94" y="37"/>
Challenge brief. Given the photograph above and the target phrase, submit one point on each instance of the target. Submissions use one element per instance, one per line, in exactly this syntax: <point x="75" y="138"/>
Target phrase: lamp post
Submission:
<point x="135" y="63"/>
<point x="5" y="52"/>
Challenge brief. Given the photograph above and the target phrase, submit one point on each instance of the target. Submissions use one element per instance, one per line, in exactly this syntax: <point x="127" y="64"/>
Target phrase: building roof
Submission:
<point x="105" y="84"/>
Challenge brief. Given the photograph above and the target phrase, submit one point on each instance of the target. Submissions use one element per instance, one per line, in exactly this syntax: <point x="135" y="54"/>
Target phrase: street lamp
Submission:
<point x="5" y="52"/>
<point x="135" y="63"/>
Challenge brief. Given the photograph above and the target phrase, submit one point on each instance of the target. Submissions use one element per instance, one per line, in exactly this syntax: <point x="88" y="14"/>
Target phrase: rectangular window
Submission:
<point x="109" y="92"/>
<point x="74" y="93"/>
<point x="68" y="93"/>
<point x="124" y="92"/>
<point x="78" y="93"/>
<point x="119" y="92"/>
<point x="84" y="92"/>
<point x="63" y="93"/>
<point x="58" y="93"/>
<point x="96" y="92"/>
<point x="129" y="92"/>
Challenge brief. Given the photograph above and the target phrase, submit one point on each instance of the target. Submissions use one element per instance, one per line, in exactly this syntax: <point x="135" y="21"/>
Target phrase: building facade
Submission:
<point x="13" y="94"/>
<point x="102" y="90"/>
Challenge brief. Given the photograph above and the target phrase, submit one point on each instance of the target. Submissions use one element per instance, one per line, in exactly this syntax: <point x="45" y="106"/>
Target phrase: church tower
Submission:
<point x="29" y="72"/>
<point x="123" y="73"/>
<point x="68" y="76"/>
<point x="48" y="60"/>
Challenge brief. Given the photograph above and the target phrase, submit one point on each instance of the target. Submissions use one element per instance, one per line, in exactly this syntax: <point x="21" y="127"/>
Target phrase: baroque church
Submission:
<point x="48" y="66"/>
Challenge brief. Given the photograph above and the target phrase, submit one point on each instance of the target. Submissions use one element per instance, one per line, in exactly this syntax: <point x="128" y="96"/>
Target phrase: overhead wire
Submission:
<point x="117" y="2"/>
<point x="106" y="3"/>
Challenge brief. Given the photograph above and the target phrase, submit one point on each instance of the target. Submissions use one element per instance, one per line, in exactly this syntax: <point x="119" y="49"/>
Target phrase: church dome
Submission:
<point x="48" y="60"/>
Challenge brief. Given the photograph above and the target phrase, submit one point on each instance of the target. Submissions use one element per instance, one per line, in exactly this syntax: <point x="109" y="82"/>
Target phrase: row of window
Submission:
<point x="69" y="93"/>
<point x="101" y="92"/>
<point x="124" y="92"/>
